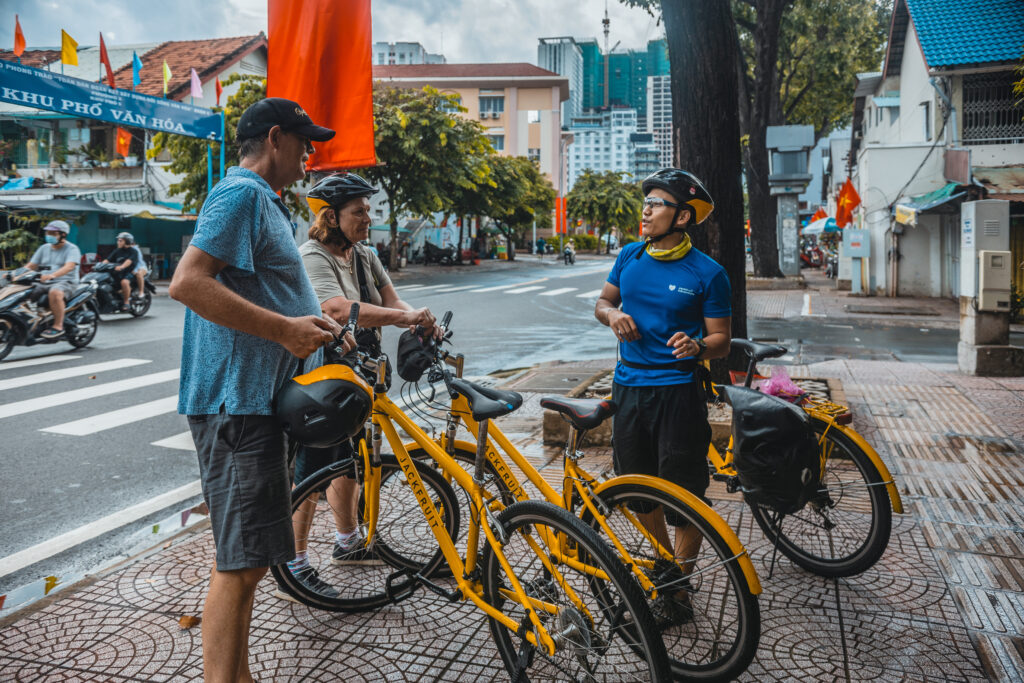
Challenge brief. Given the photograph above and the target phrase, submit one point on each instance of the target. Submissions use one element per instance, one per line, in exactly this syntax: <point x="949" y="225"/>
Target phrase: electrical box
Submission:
<point x="994" y="269"/>
<point x="984" y="226"/>
<point x="856" y="243"/>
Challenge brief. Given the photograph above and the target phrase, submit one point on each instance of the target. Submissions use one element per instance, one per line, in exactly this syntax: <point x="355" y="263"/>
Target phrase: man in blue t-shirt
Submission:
<point x="252" y="315"/>
<point x="675" y="311"/>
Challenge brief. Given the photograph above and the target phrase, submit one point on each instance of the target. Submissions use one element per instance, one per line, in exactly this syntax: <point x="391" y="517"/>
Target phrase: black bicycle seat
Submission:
<point x="485" y="402"/>
<point x="584" y="413"/>
<point x="759" y="351"/>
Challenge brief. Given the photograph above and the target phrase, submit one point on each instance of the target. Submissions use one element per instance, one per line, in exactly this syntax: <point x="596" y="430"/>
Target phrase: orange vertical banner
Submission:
<point x="318" y="42"/>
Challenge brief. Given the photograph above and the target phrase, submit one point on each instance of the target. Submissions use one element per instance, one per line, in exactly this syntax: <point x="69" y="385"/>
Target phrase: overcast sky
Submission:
<point x="462" y="30"/>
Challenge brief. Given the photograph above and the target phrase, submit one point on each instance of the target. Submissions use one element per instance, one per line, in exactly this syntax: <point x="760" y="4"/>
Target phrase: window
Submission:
<point x="492" y="101"/>
<point x="533" y="116"/>
<point x="497" y="142"/>
<point x="927" y="108"/>
<point x="990" y="110"/>
<point x="533" y="154"/>
<point x="452" y="108"/>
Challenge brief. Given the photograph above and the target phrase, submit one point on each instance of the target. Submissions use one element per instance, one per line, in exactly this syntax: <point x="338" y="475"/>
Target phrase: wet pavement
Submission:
<point x="944" y="602"/>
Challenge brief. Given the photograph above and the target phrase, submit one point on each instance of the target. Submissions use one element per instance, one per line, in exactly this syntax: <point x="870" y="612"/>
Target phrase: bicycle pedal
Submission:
<point x="402" y="591"/>
<point x="452" y="596"/>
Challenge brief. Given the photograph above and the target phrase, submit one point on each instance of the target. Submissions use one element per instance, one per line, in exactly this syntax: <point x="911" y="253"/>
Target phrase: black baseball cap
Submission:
<point x="277" y="111"/>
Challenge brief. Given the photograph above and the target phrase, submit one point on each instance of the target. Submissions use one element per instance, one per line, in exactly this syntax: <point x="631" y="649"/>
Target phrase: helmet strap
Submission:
<point x="674" y="228"/>
<point x="347" y="243"/>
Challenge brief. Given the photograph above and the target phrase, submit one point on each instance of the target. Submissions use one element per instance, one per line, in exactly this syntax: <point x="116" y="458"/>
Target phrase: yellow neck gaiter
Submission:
<point x="674" y="254"/>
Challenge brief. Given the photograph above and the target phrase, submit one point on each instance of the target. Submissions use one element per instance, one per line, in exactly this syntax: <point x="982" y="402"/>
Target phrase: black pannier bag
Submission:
<point x="775" y="451"/>
<point x="414" y="356"/>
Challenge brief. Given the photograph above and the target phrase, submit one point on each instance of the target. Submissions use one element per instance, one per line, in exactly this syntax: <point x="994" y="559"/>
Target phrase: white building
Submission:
<point x="564" y="57"/>
<point x="404" y="53"/>
<point x="608" y="141"/>
<point x="937" y="126"/>
<point x="659" y="115"/>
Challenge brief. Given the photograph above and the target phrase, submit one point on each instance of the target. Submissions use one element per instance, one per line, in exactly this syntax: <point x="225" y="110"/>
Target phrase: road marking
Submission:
<point x="495" y="288"/>
<point x="115" y="418"/>
<point x="35" y="361"/>
<point x="556" y="292"/>
<point x="66" y="541"/>
<point x="591" y="293"/>
<point x="425" y="288"/>
<point x="454" y="289"/>
<point x="520" y="290"/>
<point x="65" y="373"/>
<point x="63" y="398"/>
<point x="806" y="311"/>
<point x="181" y="442"/>
<point x="401" y="287"/>
<point x="589" y="271"/>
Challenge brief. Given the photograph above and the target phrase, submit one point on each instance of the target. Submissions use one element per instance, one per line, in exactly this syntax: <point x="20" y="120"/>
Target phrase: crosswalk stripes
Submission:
<point x="556" y="292"/>
<point x="588" y="295"/>
<point x="75" y="395"/>
<point x="522" y="290"/>
<point x="182" y="442"/>
<point x="66" y="373"/>
<point x="453" y="289"/>
<point x="496" y="288"/>
<point x="116" y="418"/>
<point x="29" y="362"/>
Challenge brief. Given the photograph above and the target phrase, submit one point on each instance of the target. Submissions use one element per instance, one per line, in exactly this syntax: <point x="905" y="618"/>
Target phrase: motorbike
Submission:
<point x="23" y="320"/>
<point x="832" y="266"/>
<point x="108" y="292"/>
<point x="568" y="256"/>
<point x="442" y="255"/>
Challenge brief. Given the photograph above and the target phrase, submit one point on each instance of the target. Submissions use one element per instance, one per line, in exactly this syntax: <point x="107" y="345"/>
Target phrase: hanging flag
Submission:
<point x="820" y="213"/>
<point x="124" y="141"/>
<point x="847" y="201"/>
<point x="136" y="70"/>
<point x="197" y="87"/>
<point x="105" y="61"/>
<point x="218" y="89"/>
<point x="167" y="77"/>
<point x="313" y="42"/>
<point x="19" y="38"/>
<point x="68" y="49"/>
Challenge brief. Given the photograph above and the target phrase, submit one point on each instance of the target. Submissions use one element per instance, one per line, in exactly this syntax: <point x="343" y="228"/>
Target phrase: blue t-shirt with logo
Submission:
<point x="246" y="225"/>
<point x="665" y="297"/>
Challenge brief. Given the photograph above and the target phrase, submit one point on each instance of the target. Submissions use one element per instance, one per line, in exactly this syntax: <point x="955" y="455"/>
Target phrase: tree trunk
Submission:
<point x="764" y="111"/>
<point x="703" y="59"/>
<point x="393" y="251"/>
<point x="509" y="239"/>
<point x="458" y="247"/>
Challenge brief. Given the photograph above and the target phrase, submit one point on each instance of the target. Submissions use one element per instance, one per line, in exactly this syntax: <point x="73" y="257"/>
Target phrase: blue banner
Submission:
<point x="75" y="97"/>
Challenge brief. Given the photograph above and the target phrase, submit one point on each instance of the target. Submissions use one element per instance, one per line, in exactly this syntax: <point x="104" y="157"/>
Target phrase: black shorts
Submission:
<point x="309" y="460"/>
<point x="664" y="432"/>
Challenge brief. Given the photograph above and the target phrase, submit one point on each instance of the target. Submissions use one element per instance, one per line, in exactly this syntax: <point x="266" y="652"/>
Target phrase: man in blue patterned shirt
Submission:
<point x="252" y="316"/>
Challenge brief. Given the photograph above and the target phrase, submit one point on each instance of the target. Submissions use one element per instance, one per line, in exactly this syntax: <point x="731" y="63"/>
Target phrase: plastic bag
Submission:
<point x="779" y="384"/>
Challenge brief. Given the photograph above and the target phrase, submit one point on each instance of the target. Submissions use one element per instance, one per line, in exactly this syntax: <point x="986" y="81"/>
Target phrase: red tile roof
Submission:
<point x="502" y="70"/>
<point x="36" y="58"/>
<point x="207" y="57"/>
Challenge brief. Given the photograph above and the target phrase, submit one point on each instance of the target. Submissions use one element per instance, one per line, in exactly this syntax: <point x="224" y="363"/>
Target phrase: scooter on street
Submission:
<point x="108" y="292"/>
<point x="24" y="316"/>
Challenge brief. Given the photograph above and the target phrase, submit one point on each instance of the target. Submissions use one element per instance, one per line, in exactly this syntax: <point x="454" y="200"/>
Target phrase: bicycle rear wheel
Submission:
<point x="845" y="529"/>
<point x="719" y="639"/>
<point x="603" y="628"/>
<point x="402" y="540"/>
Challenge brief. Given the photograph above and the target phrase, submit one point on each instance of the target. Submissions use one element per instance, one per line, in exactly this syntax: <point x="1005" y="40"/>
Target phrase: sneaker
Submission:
<point x="52" y="334"/>
<point x="310" y="578"/>
<point x="355" y="554"/>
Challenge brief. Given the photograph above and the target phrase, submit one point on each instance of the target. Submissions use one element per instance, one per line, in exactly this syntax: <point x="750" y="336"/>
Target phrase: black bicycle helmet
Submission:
<point x="687" y="190"/>
<point x="324" y="407"/>
<point x="336" y="190"/>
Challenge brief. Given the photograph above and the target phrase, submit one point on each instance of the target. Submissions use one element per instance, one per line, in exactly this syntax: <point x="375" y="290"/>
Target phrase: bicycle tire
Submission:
<point x="853" y="487"/>
<point x="403" y="540"/>
<point x="614" y="638"/>
<point x="721" y="639"/>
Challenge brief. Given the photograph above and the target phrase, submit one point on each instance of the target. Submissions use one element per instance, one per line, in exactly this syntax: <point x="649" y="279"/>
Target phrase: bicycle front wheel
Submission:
<point x="602" y="628"/>
<point x="845" y="528"/>
<point x="712" y="627"/>
<point x="402" y="541"/>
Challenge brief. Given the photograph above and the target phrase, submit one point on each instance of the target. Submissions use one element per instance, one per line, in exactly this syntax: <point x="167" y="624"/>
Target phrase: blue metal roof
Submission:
<point x="969" y="31"/>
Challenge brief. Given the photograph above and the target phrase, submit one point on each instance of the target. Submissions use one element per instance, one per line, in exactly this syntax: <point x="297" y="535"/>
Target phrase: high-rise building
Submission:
<point x="404" y="53"/>
<point x="593" y="74"/>
<point x="607" y="140"/>
<point x="563" y="56"/>
<point x="659" y="115"/>
<point x="628" y="71"/>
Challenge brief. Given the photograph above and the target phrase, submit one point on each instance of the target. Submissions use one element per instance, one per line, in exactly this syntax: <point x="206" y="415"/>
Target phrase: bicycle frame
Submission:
<point x="385" y="416"/>
<point x="588" y="489"/>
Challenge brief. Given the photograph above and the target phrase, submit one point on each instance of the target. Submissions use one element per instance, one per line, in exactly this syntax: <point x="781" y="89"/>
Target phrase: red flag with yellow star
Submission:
<point x="124" y="141"/>
<point x="848" y="201"/>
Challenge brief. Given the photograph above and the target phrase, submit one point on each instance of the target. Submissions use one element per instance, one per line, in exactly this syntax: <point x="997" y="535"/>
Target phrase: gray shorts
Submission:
<point x="63" y="286"/>
<point x="243" y="465"/>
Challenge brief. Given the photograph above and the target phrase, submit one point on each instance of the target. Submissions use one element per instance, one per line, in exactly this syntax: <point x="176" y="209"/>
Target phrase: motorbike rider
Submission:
<point x="139" y="271"/>
<point x="58" y="259"/>
<point x="127" y="258"/>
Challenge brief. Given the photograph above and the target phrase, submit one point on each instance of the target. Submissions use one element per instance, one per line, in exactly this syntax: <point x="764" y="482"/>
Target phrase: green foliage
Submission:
<point x="16" y="247"/>
<point x="188" y="155"/>
<point x="1016" y="304"/>
<point x="519" y="194"/>
<point x="1018" y="86"/>
<point x="605" y="200"/>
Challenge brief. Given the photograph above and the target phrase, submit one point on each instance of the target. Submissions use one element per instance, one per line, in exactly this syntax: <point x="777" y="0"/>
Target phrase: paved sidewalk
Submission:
<point x="944" y="603"/>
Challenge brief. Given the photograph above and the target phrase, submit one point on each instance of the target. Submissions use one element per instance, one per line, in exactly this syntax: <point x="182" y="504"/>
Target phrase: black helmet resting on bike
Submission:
<point x="324" y="407"/>
<point x="335" y="191"/>
<point x="688" y="192"/>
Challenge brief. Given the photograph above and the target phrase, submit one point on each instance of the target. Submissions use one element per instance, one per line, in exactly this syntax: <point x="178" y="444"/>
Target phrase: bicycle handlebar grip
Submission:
<point x="446" y="319"/>
<point x="353" y="316"/>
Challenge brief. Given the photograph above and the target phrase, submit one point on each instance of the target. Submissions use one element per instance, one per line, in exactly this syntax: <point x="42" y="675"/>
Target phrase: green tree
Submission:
<point x="461" y="186"/>
<point x="519" y="195"/>
<point x="605" y="200"/>
<point x="188" y="155"/>
<point x="16" y="247"/>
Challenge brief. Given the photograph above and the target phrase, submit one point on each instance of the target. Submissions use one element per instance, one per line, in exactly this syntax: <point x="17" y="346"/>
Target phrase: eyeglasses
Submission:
<point x="656" y="202"/>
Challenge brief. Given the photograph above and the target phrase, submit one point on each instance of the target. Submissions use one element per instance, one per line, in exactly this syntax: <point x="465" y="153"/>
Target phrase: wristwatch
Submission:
<point x="701" y="348"/>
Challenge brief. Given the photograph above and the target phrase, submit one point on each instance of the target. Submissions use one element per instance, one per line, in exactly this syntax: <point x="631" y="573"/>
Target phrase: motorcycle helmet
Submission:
<point x="324" y="407"/>
<point x="336" y="190"/>
<point x="127" y="237"/>
<point x="57" y="226"/>
<point x="686" y="189"/>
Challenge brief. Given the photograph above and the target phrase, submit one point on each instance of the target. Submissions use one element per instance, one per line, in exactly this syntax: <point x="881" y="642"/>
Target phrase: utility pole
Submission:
<point x="606" y="22"/>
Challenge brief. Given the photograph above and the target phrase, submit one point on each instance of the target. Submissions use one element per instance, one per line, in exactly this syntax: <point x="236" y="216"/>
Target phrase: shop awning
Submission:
<point x="52" y="205"/>
<point x="907" y="212"/>
<point x="1002" y="182"/>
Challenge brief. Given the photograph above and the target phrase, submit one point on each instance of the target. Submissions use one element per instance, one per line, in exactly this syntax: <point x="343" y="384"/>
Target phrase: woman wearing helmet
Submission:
<point x="675" y="311"/>
<point x="343" y="270"/>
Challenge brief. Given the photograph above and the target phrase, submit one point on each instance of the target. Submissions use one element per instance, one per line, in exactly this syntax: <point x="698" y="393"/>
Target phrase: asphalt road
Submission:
<point x="94" y="456"/>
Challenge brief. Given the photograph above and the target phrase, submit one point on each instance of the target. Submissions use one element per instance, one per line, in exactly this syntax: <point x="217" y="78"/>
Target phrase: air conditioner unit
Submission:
<point x="495" y="114"/>
<point x="484" y="114"/>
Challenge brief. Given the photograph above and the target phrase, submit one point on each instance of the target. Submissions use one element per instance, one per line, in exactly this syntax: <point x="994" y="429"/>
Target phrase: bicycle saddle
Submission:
<point x="485" y="402"/>
<point x="584" y="413"/>
<point x="759" y="351"/>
